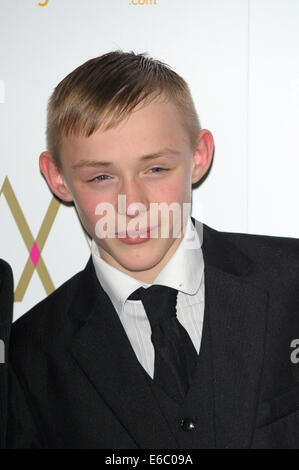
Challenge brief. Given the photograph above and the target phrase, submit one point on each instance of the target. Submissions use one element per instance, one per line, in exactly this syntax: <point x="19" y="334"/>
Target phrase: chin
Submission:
<point x="139" y="265"/>
<point x="140" y="262"/>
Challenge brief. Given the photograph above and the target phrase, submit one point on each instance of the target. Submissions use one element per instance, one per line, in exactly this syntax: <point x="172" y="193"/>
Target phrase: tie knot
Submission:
<point x="137" y="294"/>
<point x="159" y="302"/>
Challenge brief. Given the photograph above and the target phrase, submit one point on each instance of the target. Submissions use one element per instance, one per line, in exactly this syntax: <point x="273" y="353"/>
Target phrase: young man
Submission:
<point x="6" y="308"/>
<point x="163" y="341"/>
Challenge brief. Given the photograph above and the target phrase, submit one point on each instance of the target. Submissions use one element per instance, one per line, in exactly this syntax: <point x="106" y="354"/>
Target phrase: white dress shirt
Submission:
<point x="184" y="272"/>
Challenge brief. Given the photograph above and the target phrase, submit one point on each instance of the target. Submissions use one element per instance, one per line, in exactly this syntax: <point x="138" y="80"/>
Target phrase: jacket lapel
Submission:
<point x="103" y="351"/>
<point x="237" y="309"/>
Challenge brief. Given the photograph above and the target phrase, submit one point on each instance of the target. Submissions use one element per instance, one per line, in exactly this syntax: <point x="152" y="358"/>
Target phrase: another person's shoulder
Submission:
<point x="6" y="293"/>
<point x="5" y="269"/>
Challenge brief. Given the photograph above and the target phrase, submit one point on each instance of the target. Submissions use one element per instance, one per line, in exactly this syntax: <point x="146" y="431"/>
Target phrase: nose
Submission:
<point x="132" y="199"/>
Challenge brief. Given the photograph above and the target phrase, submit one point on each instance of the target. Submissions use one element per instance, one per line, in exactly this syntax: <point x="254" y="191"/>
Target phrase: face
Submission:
<point x="147" y="159"/>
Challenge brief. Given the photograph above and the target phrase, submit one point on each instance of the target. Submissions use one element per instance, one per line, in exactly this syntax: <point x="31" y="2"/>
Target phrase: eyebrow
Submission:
<point x="149" y="156"/>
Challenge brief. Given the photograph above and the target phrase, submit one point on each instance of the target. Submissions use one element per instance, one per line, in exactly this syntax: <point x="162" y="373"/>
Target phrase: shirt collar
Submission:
<point x="183" y="271"/>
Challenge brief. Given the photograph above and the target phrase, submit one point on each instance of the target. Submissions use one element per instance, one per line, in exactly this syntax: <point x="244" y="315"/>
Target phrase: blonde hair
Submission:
<point x="104" y="91"/>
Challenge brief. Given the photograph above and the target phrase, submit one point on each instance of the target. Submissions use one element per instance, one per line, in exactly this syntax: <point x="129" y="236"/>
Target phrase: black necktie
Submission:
<point x="175" y="355"/>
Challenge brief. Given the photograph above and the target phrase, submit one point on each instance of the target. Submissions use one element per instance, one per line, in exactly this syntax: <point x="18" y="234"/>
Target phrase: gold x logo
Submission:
<point x="35" y="247"/>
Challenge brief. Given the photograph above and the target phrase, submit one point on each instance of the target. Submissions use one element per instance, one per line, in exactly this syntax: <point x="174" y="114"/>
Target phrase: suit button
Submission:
<point x="187" y="424"/>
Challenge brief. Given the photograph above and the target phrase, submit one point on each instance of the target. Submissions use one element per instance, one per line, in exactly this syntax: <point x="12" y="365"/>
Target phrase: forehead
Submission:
<point x="146" y="129"/>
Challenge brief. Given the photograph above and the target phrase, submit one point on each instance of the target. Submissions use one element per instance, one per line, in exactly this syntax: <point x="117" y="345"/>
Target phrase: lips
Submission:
<point x="134" y="234"/>
<point x="137" y="234"/>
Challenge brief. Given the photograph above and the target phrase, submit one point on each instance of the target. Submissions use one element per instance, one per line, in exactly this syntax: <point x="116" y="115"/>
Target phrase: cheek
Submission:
<point x="177" y="190"/>
<point x="86" y="205"/>
<point x="88" y="198"/>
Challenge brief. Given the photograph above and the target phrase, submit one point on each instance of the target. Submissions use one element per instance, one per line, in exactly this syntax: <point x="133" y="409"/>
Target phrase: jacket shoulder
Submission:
<point x="273" y="249"/>
<point x="6" y="295"/>
<point x="274" y="257"/>
<point x="47" y="323"/>
<point x="4" y="267"/>
<point x="254" y="243"/>
<point x="6" y="275"/>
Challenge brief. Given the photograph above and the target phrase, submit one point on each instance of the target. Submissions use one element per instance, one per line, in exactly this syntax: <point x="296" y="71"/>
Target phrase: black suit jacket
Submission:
<point x="6" y="308"/>
<point x="76" y="382"/>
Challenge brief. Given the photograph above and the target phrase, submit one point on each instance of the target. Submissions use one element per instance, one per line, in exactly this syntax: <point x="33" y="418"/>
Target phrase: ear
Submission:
<point x="203" y="155"/>
<point x="54" y="177"/>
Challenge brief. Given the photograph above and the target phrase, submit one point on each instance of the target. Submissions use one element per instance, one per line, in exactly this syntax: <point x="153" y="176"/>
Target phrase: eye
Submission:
<point x="100" y="178"/>
<point x="158" y="169"/>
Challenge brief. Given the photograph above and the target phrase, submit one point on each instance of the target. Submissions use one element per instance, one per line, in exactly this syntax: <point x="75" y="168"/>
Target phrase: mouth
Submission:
<point x="138" y="236"/>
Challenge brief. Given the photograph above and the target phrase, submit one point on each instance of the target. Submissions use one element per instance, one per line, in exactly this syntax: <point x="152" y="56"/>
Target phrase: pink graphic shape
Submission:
<point x="35" y="254"/>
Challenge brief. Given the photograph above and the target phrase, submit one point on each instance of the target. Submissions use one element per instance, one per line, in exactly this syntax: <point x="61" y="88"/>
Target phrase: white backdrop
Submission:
<point x="240" y="58"/>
